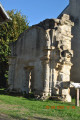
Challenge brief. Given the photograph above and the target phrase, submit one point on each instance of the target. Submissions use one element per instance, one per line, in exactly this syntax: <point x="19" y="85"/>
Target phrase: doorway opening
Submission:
<point x="30" y="79"/>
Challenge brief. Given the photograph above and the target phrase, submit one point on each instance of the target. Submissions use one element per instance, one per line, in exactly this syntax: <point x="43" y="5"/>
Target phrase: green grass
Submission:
<point x="19" y="108"/>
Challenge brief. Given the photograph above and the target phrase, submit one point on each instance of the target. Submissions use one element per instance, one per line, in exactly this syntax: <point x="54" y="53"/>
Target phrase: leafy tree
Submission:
<point x="9" y="32"/>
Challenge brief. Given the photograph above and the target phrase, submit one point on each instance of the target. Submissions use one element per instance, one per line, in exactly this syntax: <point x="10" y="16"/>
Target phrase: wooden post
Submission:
<point x="77" y="97"/>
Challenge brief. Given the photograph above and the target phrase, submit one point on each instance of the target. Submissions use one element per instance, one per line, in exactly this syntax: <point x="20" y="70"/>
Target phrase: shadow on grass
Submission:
<point x="38" y="118"/>
<point x="14" y="94"/>
<point x="66" y="103"/>
<point x="30" y="97"/>
<point x="2" y="92"/>
<point x="29" y="118"/>
<point x="17" y="117"/>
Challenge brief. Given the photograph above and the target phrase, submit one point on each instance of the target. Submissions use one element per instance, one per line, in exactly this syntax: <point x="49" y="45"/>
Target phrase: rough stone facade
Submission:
<point x="73" y="9"/>
<point x="41" y="57"/>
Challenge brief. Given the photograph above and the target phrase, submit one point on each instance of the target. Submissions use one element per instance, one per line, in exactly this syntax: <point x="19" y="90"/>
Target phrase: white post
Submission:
<point x="77" y="97"/>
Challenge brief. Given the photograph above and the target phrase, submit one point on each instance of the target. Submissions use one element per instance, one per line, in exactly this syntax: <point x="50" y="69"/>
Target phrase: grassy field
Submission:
<point x="19" y="108"/>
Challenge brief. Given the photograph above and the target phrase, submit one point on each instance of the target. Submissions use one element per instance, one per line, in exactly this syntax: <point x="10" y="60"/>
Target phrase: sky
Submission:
<point x="36" y="10"/>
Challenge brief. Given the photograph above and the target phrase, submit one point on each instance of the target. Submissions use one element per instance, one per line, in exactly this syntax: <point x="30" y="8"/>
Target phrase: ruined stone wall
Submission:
<point x="74" y="12"/>
<point x="57" y="58"/>
<point x="27" y="50"/>
<point x="44" y="51"/>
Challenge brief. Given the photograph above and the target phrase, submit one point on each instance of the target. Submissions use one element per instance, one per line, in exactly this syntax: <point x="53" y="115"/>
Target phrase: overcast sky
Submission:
<point x="36" y="10"/>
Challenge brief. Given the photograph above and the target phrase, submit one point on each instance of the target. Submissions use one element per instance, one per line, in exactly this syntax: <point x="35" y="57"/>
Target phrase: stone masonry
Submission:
<point x="73" y="9"/>
<point x="41" y="57"/>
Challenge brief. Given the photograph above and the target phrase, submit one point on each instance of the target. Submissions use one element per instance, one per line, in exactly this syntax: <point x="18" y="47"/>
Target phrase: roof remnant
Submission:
<point x="3" y="15"/>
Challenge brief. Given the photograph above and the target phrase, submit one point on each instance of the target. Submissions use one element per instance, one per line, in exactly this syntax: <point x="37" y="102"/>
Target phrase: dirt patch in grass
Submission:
<point x="12" y="107"/>
<point x="6" y="117"/>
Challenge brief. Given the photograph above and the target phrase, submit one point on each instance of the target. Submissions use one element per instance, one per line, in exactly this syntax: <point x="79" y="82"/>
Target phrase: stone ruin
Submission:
<point x="41" y="58"/>
<point x="73" y="9"/>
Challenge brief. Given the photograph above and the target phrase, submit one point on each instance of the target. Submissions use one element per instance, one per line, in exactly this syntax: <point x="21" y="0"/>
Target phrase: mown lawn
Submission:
<point x="30" y="109"/>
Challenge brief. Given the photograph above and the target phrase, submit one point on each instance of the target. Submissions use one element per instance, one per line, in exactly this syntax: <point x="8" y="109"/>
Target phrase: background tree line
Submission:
<point x="9" y="32"/>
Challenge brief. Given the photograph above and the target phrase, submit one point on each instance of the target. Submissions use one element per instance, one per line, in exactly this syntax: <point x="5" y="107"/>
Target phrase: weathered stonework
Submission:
<point x="41" y="58"/>
<point x="73" y="9"/>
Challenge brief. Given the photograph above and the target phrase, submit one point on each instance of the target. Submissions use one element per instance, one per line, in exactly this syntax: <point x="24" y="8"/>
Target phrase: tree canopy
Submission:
<point x="9" y="32"/>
